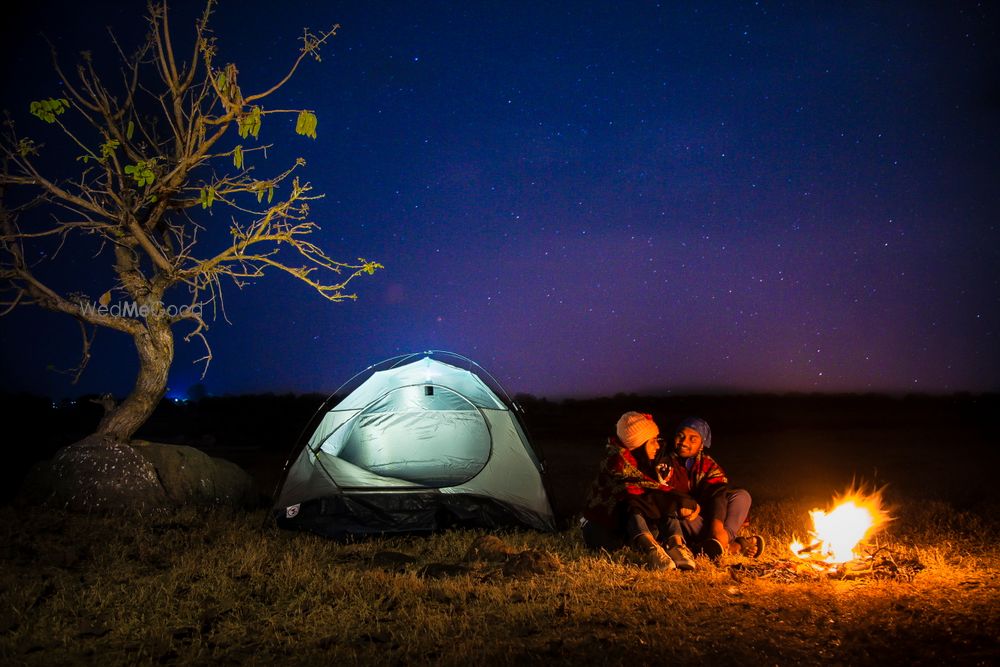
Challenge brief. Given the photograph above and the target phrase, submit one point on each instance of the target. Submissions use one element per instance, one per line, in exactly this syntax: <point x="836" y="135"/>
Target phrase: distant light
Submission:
<point x="175" y="396"/>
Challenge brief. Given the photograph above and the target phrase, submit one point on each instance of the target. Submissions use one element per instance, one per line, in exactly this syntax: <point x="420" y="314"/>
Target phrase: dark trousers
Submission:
<point x="654" y="512"/>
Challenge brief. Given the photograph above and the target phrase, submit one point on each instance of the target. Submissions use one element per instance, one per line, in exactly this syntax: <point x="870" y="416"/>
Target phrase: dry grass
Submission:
<point x="223" y="587"/>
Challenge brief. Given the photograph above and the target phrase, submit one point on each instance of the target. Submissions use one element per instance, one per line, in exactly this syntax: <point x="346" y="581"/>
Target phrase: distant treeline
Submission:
<point x="755" y="412"/>
<point x="275" y="422"/>
<point x="258" y="420"/>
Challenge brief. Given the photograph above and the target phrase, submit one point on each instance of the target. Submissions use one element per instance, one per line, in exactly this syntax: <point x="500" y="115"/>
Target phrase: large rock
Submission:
<point x="96" y="477"/>
<point x="189" y="476"/>
<point x="126" y="478"/>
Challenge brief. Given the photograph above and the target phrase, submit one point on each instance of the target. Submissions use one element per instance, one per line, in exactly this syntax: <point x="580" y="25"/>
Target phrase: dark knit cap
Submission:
<point x="699" y="425"/>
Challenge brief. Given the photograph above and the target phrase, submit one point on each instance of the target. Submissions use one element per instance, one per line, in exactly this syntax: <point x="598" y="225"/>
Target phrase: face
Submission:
<point x="651" y="444"/>
<point x="687" y="442"/>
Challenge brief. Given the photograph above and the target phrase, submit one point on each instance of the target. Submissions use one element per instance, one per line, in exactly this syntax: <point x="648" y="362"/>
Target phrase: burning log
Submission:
<point x="809" y="549"/>
<point x="882" y="564"/>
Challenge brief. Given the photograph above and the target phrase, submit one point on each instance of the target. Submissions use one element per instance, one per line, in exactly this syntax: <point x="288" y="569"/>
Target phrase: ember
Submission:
<point x="838" y="534"/>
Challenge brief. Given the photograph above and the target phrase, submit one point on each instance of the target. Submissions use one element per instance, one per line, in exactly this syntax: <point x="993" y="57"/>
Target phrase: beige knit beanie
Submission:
<point x="635" y="428"/>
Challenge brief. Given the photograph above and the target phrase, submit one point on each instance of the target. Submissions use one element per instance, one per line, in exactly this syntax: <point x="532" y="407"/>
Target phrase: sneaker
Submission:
<point x="681" y="557"/>
<point x="657" y="559"/>
<point x="712" y="548"/>
<point x="652" y="553"/>
<point x="751" y="547"/>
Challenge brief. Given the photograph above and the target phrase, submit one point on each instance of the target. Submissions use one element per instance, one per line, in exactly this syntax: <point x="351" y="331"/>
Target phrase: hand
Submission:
<point x="690" y="514"/>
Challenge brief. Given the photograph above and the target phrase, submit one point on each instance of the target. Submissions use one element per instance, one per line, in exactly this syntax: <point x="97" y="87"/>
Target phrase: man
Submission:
<point x="721" y="511"/>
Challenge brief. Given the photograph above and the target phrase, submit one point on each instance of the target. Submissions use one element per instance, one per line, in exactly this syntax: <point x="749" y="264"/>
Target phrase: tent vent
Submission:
<point x="428" y="390"/>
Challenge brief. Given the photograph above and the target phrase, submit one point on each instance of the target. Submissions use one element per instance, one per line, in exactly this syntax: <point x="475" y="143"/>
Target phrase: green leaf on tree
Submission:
<point x="250" y="123"/>
<point x="238" y="157"/>
<point x="206" y="197"/>
<point x="369" y="267"/>
<point x="142" y="172"/>
<point x="130" y="130"/>
<point x="108" y="148"/>
<point x="26" y="147"/>
<point x="306" y="124"/>
<point x="47" y="110"/>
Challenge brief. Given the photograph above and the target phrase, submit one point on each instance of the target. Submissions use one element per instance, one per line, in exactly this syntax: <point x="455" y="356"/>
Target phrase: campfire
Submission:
<point x="839" y="535"/>
<point x="839" y="546"/>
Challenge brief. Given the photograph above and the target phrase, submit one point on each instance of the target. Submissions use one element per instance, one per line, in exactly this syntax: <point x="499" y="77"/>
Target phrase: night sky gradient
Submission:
<point x="593" y="198"/>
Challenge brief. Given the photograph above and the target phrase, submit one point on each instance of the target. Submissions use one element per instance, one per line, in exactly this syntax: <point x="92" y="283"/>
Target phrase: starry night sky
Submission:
<point x="593" y="198"/>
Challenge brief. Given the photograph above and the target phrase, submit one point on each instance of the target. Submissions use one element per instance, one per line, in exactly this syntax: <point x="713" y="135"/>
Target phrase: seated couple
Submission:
<point x="659" y="499"/>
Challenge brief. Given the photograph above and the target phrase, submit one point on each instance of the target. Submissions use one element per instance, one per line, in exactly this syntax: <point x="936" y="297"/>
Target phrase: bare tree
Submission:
<point x="175" y="141"/>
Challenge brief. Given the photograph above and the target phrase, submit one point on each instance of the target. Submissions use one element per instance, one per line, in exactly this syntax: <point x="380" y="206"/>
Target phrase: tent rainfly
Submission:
<point x="416" y="447"/>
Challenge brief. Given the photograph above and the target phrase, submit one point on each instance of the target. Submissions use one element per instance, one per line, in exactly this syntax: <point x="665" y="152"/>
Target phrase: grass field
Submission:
<point x="220" y="588"/>
<point x="225" y="587"/>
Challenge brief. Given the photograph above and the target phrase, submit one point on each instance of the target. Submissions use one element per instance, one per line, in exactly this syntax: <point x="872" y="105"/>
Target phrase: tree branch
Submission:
<point x="174" y="76"/>
<point x="310" y="44"/>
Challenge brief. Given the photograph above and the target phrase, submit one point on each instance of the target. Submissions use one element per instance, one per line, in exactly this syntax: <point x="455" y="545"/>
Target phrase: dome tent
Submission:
<point x="419" y="445"/>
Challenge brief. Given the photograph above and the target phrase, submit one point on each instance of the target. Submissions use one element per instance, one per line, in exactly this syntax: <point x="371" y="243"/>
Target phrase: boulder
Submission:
<point x="127" y="478"/>
<point x="192" y="477"/>
<point x="96" y="477"/>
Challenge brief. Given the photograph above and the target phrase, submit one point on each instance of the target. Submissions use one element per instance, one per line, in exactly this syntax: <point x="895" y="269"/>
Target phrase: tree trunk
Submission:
<point x="155" y="346"/>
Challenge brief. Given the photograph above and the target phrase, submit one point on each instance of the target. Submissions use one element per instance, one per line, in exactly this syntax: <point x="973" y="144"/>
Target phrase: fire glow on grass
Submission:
<point x="838" y="534"/>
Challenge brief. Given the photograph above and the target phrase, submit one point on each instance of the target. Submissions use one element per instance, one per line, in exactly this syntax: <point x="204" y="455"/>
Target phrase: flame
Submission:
<point x="838" y="534"/>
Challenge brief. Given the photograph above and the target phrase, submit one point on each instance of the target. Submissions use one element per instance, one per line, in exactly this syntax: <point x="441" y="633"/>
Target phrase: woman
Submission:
<point x="632" y="498"/>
